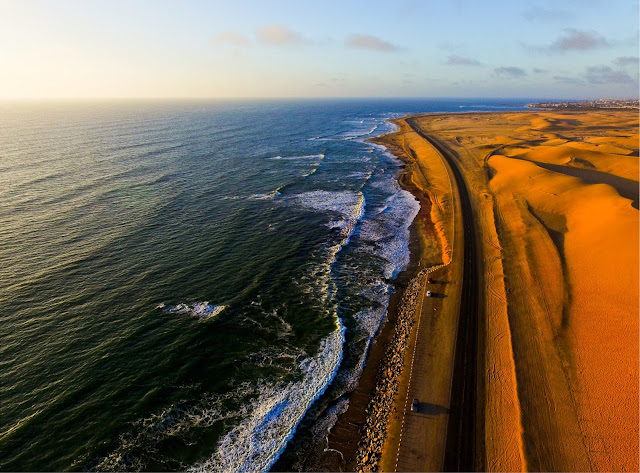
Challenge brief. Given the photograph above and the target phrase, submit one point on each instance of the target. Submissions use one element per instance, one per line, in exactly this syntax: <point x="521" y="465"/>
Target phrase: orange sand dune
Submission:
<point x="560" y="251"/>
<point x="575" y="153"/>
<point x="599" y="251"/>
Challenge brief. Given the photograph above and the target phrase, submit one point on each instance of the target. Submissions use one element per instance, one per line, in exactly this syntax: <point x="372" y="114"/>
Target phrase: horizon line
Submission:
<point x="285" y="98"/>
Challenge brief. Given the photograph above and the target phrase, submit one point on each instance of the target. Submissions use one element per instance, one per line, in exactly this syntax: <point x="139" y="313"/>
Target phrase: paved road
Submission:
<point x="461" y="432"/>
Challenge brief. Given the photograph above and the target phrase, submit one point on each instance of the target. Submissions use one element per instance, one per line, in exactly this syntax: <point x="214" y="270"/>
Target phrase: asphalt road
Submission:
<point x="460" y="451"/>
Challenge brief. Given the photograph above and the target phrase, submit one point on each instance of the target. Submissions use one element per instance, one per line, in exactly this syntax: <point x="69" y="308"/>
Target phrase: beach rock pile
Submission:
<point x="374" y="429"/>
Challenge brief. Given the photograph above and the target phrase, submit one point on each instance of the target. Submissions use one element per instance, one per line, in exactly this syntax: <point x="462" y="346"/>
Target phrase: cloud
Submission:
<point x="462" y="61"/>
<point x="510" y="72"/>
<point x="576" y="40"/>
<point x="626" y="61"/>
<point x="232" y="37"/>
<point x="537" y="70"/>
<point x="279" y="35"/>
<point x="546" y="14"/>
<point x="363" y="41"/>
<point x="606" y="75"/>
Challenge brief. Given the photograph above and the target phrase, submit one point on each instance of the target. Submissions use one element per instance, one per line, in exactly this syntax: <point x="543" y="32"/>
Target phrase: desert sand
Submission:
<point x="555" y="198"/>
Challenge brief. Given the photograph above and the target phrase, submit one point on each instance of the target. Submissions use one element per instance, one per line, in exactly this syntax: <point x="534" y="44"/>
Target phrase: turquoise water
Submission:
<point x="181" y="281"/>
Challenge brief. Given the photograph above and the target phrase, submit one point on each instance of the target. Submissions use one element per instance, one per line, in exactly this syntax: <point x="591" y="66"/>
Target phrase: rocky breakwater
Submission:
<point x="374" y="429"/>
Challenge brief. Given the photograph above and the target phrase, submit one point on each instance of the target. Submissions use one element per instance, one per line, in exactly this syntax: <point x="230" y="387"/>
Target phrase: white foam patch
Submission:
<point x="348" y="207"/>
<point x="359" y="175"/>
<point x="169" y="423"/>
<point x="257" y="442"/>
<point x="388" y="232"/>
<point x="201" y="310"/>
<point x="358" y="134"/>
<point x="263" y="426"/>
<point x="305" y="156"/>
<point x="349" y="204"/>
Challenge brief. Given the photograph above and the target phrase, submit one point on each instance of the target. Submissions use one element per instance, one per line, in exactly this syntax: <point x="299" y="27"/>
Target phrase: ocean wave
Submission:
<point x="263" y="425"/>
<point x="201" y="310"/>
<point x="310" y="172"/>
<point x="137" y="446"/>
<point x="349" y="208"/>
<point x="268" y="195"/>
<point x="364" y="175"/>
<point x="305" y="156"/>
<point x="388" y="232"/>
<point x="257" y="442"/>
<point x="358" y="134"/>
<point x="349" y="204"/>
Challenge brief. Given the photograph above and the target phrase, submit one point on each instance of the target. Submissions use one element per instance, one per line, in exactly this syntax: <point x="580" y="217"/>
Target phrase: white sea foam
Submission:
<point x="263" y="426"/>
<point x="385" y="233"/>
<point x="201" y="310"/>
<point x="269" y="422"/>
<point x="305" y="156"/>
<point x="349" y="204"/>
<point x="388" y="232"/>
<point x="349" y="208"/>
<point x="256" y="442"/>
<point x="358" y="134"/>
<point x="359" y="175"/>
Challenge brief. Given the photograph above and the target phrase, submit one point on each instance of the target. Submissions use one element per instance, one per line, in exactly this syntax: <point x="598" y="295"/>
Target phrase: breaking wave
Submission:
<point x="256" y="443"/>
<point x="200" y="310"/>
<point x="305" y="156"/>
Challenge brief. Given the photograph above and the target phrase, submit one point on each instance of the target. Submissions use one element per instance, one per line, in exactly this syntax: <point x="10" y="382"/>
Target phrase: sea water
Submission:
<point x="182" y="281"/>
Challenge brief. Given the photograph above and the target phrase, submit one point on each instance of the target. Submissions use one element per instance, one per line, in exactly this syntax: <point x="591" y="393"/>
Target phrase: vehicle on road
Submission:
<point x="429" y="294"/>
<point x="414" y="405"/>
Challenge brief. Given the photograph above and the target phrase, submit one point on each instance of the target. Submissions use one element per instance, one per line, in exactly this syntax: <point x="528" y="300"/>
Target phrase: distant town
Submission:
<point x="588" y="104"/>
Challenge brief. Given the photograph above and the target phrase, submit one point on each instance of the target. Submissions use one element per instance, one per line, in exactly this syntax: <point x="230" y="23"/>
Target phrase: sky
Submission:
<point x="571" y="49"/>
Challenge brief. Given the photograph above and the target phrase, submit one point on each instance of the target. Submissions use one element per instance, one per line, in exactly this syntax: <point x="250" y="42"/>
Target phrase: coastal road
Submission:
<point x="460" y="451"/>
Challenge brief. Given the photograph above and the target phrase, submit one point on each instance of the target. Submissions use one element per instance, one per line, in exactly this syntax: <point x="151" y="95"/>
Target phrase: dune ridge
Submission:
<point x="569" y="244"/>
<point x="555" y="195"/>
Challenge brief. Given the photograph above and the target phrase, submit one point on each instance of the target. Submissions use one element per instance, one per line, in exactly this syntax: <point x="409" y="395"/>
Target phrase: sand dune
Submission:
<point x="554" y="195"/>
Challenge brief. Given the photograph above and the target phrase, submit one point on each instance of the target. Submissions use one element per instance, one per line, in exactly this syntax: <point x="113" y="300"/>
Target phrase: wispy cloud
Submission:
<point x="577" y="40"/>
<point x="462" y="61"/>
<point x="536" y="13"/>
<point x="626" y="61"/>
<point x="510" y="72"/>
<point x="537" y="70"/>
<point x="363" y="41"/>
<point x="606" y="75"/>
<point x="232" y="37"/>
<point x="279" y="35"/>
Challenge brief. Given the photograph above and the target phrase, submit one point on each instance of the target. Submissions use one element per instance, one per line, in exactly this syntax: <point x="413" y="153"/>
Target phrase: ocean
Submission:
<point x="180" y="282"/>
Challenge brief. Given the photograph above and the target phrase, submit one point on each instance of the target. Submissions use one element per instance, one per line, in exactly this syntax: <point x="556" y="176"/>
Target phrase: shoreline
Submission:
<point x="345" y="436"/>
<point x="337" y="450"/>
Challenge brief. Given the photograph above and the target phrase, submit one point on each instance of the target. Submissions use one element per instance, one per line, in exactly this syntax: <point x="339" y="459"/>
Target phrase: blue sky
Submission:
<point x="242" y="48"/>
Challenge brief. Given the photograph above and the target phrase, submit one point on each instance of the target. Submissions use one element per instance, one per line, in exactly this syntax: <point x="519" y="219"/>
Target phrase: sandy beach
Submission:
<point x="554" y="199"/>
